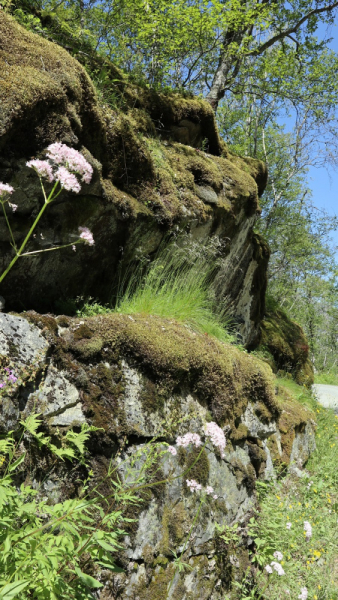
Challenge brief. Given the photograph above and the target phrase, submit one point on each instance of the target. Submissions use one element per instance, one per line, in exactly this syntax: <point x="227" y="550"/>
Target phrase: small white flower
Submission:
<point x="278" y="555"/>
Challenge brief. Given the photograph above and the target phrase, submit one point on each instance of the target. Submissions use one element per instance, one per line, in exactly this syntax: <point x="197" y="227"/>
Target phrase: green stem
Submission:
<point x="23" y="245"/>
<point x="51" y="249"/>
<point x="9" y="227"/>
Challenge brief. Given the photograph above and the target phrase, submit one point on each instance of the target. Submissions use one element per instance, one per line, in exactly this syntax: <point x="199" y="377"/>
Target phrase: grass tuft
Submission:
<point x="176" y="285"/>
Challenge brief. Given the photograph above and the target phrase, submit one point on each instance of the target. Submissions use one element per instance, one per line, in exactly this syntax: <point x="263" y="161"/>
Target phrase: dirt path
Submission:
<point x="327" y="395"/>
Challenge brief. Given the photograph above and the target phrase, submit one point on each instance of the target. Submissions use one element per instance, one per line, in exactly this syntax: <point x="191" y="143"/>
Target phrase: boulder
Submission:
<point x="151" y="180"/>
<point x="143" y="377"/>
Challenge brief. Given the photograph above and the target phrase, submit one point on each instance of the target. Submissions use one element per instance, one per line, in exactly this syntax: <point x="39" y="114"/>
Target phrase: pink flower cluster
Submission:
<point x="307" y="530"/>
<point x="5" y="189"/>
<point x="278" y="555"/>
<point x="194" y="486"/>
<point x="10" y="377"/>
<point x="216" y="434"/>
<point x="189" y="438"/>
<point x="42" y="167"/>
<point x="63" y="165"/>
<point x="172" y="450"/>
<point x="86" y="235"/>
<point x="61" y="154"/>
<point x="303" y="593"/>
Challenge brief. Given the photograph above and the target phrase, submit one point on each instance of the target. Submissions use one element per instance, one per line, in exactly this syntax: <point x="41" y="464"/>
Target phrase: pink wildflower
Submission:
<point x="13" y="206"/>
<point x="87" y="236"/>
<point x="288" y="525"/>
<point x="193" y="485"/>
<point x="209" y="490"/>
<point x="278" y="555"/>
<point x="215" y="496"/>
<point x="74" y="248"/>
<point x="67" y="180"/>
<point x="308" y="530"/>
<point x="189" y="438"/>
<point x="268" y="569"/>
<point x="216" y="434"/>
<point x="303" y="593"/>
<point x="278" y="568"/>
<point x="74" y="161"/>
<point x="5" y="189"/>
<point x="172" y="450"/>
<point x="42" y="167"/>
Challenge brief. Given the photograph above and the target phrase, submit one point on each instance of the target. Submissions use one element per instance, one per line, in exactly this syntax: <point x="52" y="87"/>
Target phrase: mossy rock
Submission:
<point x="285" y="341"/>
<point x="151" y="179"/>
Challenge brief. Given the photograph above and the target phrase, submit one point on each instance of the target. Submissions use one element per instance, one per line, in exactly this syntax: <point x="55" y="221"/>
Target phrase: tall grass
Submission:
<point x="308" y="563"/>
<point x="176" y="285"/>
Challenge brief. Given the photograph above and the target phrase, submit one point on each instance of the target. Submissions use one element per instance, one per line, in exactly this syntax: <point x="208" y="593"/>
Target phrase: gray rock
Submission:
<point x="58" y="400"/>
<point x="257" y="428"/>
<point x="21" y="341"/>
<point x="207" y="194"/>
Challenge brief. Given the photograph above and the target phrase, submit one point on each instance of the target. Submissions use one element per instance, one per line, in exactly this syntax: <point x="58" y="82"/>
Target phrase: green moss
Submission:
<point x="294" y="416"/>
<point x="263" y="412"/>
<point x="172" y="356"/>
<point x="239" y="433"/>
<point x="201" y="469"/>
<point x="285" y="341"/>
<point x="88" y="348"/>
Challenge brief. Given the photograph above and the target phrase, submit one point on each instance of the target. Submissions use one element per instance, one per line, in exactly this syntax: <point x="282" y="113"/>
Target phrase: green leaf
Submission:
<point x="87" y="579"/>
<point x="17" y="462"/>
<point x="111" y="566"/>
<point x="10" y="590"/>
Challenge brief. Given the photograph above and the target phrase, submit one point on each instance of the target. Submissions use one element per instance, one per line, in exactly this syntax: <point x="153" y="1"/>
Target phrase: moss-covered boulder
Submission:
<point x="139" y="377"/>
<point x="286" y="346"/>
<point x="151" y="178"/>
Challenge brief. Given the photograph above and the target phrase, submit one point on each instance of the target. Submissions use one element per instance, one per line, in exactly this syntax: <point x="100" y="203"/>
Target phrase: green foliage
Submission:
<point x="328" y="378"/>
<point x="313" y="498"/>
<point x="45" y="549"/>
<point x="176" y="285"/>
<point x="302" y="269"/>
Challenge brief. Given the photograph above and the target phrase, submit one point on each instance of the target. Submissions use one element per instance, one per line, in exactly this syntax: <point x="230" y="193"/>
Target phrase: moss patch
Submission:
<point x="286" y="343"/>
<point x="294" y="417"/>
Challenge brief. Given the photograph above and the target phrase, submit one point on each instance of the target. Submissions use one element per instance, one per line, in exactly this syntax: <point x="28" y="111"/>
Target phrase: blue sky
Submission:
<point x="323" y="182"/>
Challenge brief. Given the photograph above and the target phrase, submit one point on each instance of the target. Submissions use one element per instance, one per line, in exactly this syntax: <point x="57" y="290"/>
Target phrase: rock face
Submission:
<point x="140" y="377"/>
<point x="286" y="346"/>
<point x="151" y="179"/>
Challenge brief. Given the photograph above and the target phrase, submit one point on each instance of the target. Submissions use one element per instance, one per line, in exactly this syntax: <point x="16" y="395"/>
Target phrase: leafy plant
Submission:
<point x="44" y="548"/>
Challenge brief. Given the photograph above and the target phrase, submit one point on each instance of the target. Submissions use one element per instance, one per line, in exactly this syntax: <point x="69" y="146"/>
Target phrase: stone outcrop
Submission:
<point x="139" y="377"/>
<point x="151" y="179"/>
<point x="284" y="345"/>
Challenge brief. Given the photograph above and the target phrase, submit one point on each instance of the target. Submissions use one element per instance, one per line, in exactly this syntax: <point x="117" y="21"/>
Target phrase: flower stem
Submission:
<point x="9" y="227"/>
<point x="23" y="245"/>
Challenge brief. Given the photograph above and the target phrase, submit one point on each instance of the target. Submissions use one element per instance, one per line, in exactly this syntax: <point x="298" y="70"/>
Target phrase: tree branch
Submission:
<point x="294" y="29"/>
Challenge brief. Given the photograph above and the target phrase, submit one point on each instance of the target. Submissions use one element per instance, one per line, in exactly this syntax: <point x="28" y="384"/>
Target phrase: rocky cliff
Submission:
<point x="160" y="170"/>
<point x="152" y="178"/>
<point x="135" y="378"/>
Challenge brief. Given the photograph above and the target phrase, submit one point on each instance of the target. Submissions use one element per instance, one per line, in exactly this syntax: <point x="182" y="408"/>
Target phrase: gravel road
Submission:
<point x="327" y="395"/>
